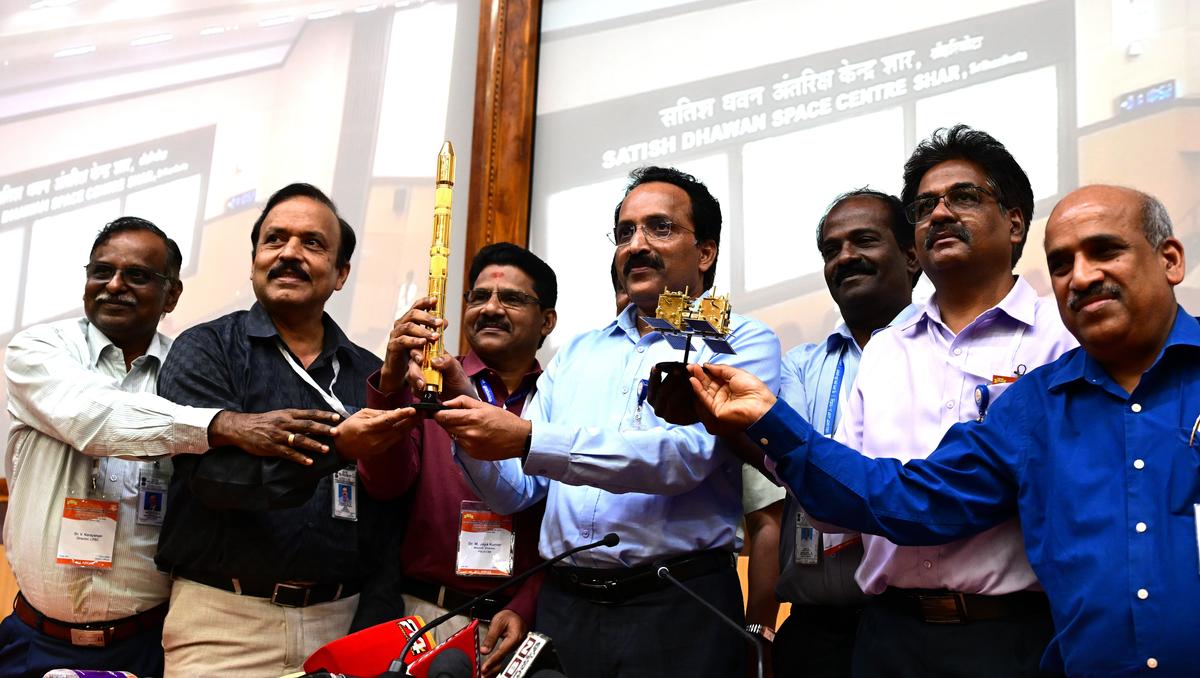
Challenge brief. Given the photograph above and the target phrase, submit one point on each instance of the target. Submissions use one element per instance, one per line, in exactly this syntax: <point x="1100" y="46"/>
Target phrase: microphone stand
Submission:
<point x="665" y="573"/>
<point x="398" y="666"/>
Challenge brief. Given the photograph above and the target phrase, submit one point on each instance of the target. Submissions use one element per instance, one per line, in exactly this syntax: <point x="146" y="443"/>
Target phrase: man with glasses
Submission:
<point x="90" y="439"/>
<point x="509" y="313"/>
<point x="972" y="607"/>
<point x="606" y="462"/>
<point x="1095" y="452"/>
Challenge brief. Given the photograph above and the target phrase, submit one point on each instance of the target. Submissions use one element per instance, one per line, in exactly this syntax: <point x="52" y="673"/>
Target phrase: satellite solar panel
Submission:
<point x="677" y="341"/>
<point x="659" y="324"/>
<point x="700" y="325"/>
<point x="719" y="346"/>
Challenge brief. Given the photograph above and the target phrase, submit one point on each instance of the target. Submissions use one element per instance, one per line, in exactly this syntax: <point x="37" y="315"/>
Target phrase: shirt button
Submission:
<point x="113" y="477"/>
<point x="641" y="349"/>
<point x="1140" y="527"/>
<point x="928" y="565"/>
<point x="958" y="351"/>
<point x="1143" y="594"/>
<point x="763" y="441"/>
<point x="585" y="534"/>
<point x="1139" y="464"/>
<point x="625" y="390"/>
<point x="949" y="404"/>
<point x="1136" y="407"/>
<point x="1152" y="663"/>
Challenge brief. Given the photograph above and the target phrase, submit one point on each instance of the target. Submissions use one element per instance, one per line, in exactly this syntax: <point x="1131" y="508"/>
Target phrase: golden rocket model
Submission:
<point x="439" y="256"/>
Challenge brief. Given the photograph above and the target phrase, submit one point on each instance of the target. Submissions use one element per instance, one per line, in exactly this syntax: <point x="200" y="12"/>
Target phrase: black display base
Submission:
<point x="428" y="403"/>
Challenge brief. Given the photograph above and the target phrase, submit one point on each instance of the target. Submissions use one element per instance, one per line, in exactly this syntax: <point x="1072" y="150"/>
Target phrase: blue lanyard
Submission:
<point x="490" y="395"/>
<point x="834" y="394"/>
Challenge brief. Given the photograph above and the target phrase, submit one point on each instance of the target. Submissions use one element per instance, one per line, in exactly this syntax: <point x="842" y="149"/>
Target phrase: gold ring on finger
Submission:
<point x="291" y="439"/>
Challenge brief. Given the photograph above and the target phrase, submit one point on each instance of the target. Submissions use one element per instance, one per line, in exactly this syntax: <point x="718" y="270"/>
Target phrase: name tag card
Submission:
<point x="345" y="494"/>
<point x="87" y="533"/>
<point x="152" y="496"/>
<point x="485" y="542"/>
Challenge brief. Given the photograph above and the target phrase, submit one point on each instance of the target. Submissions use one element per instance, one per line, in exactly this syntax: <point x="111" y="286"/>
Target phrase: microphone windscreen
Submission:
<point x="451" y="663"/>
<point x="611" y="539"/>
<point x="370" y="651"/>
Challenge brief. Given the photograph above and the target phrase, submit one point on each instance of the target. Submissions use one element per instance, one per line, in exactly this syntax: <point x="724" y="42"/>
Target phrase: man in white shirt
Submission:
<point x="88" y="464"/>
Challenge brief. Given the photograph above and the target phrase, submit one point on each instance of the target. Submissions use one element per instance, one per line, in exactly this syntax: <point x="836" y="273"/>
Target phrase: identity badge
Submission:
<point x="808" y="541"/>
<point x="152" y="495"/>
<point x="345" y="494"/>
<point x="87" y="533"/>
<point x="485" y="542"/>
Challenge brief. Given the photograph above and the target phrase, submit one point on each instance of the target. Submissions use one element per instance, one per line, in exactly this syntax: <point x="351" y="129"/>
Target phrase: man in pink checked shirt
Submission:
<point x="972" y="607"/>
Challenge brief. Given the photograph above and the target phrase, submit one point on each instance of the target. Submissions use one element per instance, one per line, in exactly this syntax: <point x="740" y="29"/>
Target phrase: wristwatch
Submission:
<point x="766" y="632"/>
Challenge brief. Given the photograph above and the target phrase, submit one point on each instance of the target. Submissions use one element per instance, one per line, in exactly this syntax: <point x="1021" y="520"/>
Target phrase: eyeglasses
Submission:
<point x="132" y="275"/>
<point x="657" y="229"/>
<point x="508" y="298"/>
<point x="959" y="199"/>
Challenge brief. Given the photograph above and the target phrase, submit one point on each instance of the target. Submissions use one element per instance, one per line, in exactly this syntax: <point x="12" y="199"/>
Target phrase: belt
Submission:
<point x="283" y="594"/>
<point x="450" y="599"/>
<point x="617" y="585"/>
<point x="936" y="606"/>
<point x="97" y="634"/>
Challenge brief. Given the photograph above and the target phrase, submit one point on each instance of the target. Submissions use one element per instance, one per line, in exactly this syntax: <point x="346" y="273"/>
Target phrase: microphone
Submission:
<point x="400" y="664"/>
<point x="532" y="657"/>
<point x="370" y="651"/>
<point x="451" y="663"/>
<point x="454" y="658"/>
<point x="665" y="573"/>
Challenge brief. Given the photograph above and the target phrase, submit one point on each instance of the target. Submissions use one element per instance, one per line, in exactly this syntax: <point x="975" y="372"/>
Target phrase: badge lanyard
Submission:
<point x="811" y="544"/>
<point x="486" y="539"/>
<point x="344" y="495"/>
<point x="328" y="396"/>
<point x="835" y="392"/>
<point x="490" y="396"/>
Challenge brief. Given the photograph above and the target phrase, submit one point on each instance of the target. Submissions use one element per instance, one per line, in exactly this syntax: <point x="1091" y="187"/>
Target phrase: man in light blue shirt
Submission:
<point x="605" y="462"/>
<point x="870" y="268"/>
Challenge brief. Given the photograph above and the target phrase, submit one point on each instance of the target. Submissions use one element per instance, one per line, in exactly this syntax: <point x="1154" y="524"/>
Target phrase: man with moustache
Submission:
<point x="973" y="607"/>
<point x="267" y="565"/>
<point x="605" y="462"/>
<point x="87" y="426"/>
<point x="870" y="268"/>
<point x="1095" y="452"/>
<point x="509" y="312"/>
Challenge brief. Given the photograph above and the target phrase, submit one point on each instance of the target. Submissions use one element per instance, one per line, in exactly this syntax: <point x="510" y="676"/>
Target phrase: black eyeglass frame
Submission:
<point x="916" y="217"/>
<point x="136" y="276"/>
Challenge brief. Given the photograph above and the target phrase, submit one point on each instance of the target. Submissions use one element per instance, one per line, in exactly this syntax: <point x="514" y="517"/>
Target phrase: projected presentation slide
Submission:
<point x="51" y="215"/>
<point x="776" y="142"/>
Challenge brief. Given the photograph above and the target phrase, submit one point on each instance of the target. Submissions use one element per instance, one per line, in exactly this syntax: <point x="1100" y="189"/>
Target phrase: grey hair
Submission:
<point x="1156" y="223"/>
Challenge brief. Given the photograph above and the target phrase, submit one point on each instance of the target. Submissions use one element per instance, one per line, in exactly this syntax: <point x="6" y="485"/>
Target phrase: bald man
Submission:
<point x="1096" y="452"/>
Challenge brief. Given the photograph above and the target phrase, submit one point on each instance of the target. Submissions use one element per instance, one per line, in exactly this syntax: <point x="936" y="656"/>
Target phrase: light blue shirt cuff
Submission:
<point x="550" y="451"/>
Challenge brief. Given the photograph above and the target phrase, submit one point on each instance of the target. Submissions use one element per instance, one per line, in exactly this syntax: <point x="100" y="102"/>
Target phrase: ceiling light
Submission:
<point x="155" y="39"/>
<point x="74" y="51"/>
<point x="276" y="21"/>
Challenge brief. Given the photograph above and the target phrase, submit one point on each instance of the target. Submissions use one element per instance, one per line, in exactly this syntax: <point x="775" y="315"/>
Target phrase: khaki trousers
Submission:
<point x="210" y="632"/>
<point x="428" y="611"/>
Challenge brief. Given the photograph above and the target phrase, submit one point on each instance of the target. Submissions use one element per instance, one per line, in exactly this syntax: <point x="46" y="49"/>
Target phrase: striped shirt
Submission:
<point x="73" y="403"/>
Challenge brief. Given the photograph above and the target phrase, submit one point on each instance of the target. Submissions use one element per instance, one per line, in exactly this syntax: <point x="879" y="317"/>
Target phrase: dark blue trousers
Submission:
<point x="30" y="654"/>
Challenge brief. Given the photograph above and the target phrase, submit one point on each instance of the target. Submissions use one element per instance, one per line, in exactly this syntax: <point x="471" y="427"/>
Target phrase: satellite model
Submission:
<point x="679" y="322"/>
